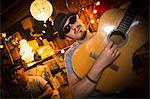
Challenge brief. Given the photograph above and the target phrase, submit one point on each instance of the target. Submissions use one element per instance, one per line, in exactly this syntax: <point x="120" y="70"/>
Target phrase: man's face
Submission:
<point x="76" y="29"/>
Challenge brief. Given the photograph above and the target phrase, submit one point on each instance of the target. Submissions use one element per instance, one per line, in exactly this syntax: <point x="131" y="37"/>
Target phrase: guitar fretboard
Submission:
<point x="127" y="20"/>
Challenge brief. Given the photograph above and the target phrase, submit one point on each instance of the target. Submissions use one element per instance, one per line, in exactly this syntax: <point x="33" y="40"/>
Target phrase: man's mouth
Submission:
<point x="78" y="28"/>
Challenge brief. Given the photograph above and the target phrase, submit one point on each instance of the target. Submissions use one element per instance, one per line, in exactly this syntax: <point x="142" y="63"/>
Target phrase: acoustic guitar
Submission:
<point x="125" y="29"/>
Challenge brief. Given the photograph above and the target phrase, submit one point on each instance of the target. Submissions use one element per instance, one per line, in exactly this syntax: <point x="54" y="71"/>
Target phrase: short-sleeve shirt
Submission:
<point x="69" y="54"/>
<point x="68" y="57"/>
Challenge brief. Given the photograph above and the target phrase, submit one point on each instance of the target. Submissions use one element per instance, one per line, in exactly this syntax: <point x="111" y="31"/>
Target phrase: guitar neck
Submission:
<point x="128" y="18"/>
<point x="126" y="21"/>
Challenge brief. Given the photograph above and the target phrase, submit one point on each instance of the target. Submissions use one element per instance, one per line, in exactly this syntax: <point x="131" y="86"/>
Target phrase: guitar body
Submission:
<point x="118" y="75"/>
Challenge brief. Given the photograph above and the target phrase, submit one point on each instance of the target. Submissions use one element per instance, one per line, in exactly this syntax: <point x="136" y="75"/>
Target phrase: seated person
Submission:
<point x="33" y="86"/>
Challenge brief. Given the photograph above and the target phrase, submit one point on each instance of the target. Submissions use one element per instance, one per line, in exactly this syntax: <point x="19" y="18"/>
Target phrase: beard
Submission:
<point x="83" y="35"/>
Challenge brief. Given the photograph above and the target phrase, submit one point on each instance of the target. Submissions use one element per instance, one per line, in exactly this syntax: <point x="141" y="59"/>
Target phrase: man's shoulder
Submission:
<point x="72" y="47"/>
<point x="68" y="53"/>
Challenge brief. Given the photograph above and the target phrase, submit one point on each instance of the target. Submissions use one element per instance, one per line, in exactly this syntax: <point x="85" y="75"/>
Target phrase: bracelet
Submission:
<point x="90" y="79"/>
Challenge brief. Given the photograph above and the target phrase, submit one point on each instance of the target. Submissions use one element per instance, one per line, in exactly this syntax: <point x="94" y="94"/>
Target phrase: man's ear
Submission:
<point x="68" y="38"/>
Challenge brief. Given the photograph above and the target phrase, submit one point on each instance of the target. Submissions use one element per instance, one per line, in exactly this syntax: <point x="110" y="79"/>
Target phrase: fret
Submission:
<point x="121" y="29"/>
<point x="129" y="17"/>
<point x="124" y="24"/>
<point x="126" y="21"/>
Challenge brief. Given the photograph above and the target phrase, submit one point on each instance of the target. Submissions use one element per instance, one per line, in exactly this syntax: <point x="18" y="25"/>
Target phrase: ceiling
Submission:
<point x="12" y="11"/>
<point x="7" y="4"/>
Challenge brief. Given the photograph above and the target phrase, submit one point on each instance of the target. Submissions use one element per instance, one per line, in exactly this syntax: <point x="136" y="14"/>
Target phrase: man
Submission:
<point x="69" y="26"/>
<point x="33" y="86"/>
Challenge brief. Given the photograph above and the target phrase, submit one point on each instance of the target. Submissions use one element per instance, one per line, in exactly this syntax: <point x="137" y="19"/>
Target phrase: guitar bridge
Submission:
<point x="93" y="55"/>
<point x="114" y="67"/>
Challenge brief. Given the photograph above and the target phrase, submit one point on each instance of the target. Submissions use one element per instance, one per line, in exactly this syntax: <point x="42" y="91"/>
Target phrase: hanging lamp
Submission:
<point x="41" y="10"/>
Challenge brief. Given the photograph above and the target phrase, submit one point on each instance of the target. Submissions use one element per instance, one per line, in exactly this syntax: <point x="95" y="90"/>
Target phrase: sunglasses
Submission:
<point x="72" y="20"/>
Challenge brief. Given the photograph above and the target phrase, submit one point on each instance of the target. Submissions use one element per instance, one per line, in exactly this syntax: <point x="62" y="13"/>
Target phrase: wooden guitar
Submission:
<point x="129" y="32"/>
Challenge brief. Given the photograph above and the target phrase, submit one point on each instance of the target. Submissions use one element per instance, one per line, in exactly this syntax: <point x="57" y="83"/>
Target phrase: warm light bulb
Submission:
<point x="86" y="9"/>
<point x="92" y="21"/>
<point x="83" y="9"/>
<point x="44" y="25"/>
<point x="62" y="51"/>
<point x="98" y="3"/>
<point x="95" y="11"/>
<point x="40" y="38"/>
<point x="43" y="31"/>
<point x="97" y="20"/>
<point x="3" y="35"/>
<point x="1" y="46"/>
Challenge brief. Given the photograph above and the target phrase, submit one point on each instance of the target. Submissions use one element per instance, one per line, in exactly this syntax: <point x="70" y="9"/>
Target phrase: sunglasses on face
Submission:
<point x="72" y="20"/>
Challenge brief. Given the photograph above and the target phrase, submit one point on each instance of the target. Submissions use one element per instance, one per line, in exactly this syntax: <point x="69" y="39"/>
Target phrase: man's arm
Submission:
<point x="48" y="91"/>
<point x="83" y="87"/>
<point x="80" y="88"/>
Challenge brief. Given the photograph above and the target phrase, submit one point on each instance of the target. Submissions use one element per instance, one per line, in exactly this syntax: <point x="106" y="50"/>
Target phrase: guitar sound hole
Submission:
<point x="118" y="38"/>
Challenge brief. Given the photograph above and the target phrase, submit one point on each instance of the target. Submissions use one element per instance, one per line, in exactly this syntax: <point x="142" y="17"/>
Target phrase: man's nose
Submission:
<point x="73" y="26"/>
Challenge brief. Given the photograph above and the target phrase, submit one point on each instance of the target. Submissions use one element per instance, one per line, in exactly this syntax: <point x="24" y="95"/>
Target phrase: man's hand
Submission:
<point x="108" y="54"/>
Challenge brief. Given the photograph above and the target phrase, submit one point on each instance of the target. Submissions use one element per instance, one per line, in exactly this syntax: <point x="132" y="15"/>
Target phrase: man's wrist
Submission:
<point x="90" y="79"/>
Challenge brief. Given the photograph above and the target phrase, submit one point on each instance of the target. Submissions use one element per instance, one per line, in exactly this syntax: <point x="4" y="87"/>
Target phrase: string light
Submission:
<point x="98" y="3"/>
<point x="1" y="46"/>
<point x="97" y="20"/>
<point x="86" y="9"/>
<point x="62" y="51"/>
<point x="40" y="38"/>
<point x="91" y="16"/>
<point x="43" y="31"/>
<point x="92" y="21"/>
<point x="83" y="9"/>
<point x="44" y="25"/>
<point x="94" y="11"/>
<point x="3" y="35"/>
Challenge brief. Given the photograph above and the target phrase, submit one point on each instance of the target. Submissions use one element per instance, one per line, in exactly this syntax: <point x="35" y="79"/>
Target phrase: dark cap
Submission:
<point x="59" y="22"/>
